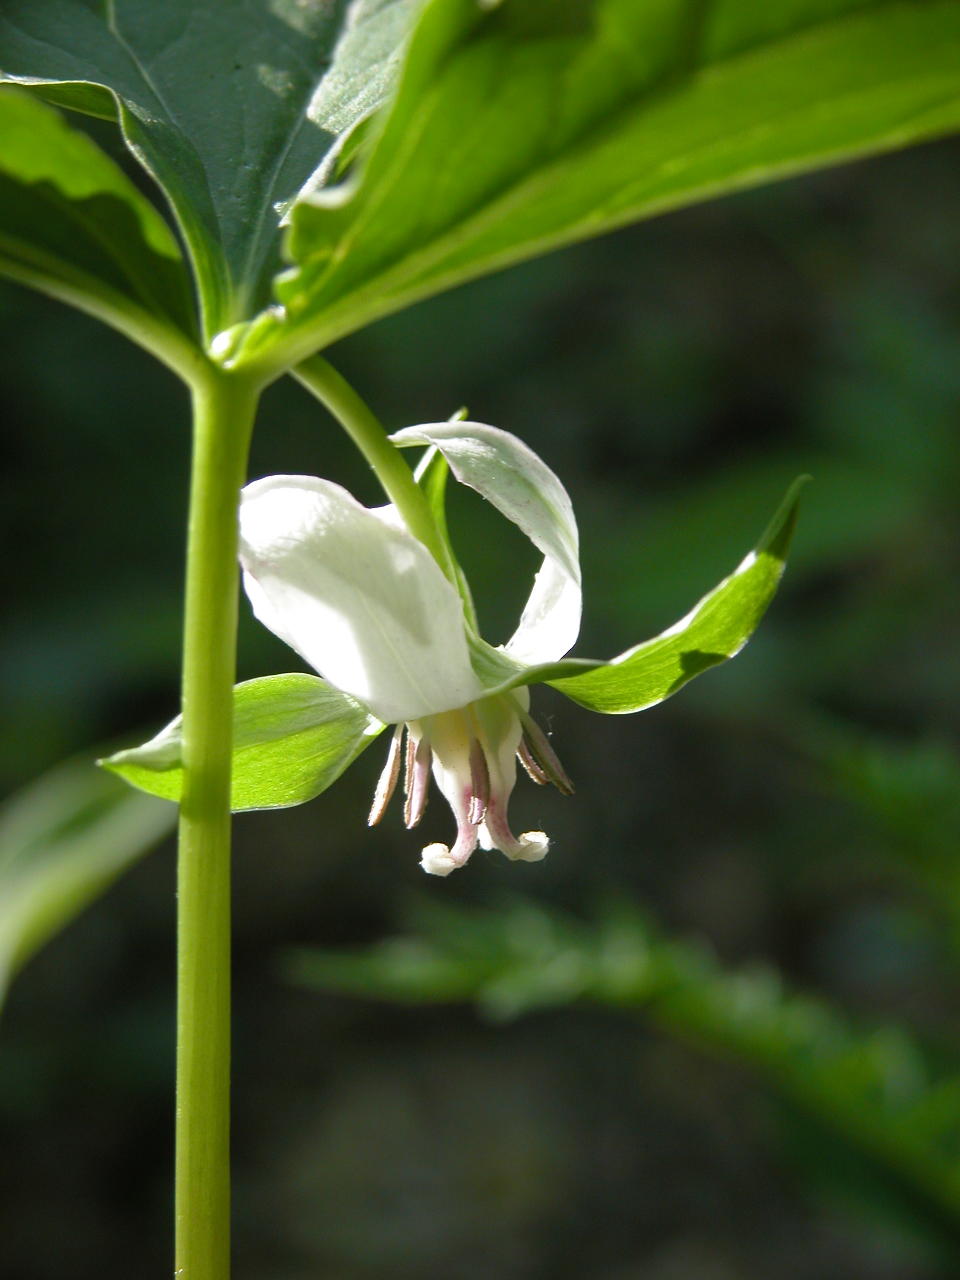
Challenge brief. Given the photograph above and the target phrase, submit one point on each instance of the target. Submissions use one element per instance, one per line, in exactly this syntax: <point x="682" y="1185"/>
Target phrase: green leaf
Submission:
<point x="73" y="225"/>
<point x="63" y="840"/>
<point x="292" y="737"/>
<point x="522" y="126"/>
<point x="233" y="107"/>
<point x="714" y="630"/>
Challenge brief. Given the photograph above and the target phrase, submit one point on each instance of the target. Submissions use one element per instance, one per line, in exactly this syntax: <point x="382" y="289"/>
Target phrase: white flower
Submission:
<point x="367" y="606"/>
<point x="395" y="641"/>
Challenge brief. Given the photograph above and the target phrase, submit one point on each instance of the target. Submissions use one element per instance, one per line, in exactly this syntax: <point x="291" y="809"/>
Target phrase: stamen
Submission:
<point x="418" y="761"/>
<point x="531" y="768"/>
<point x="409" y="759"/>
<point x="544" y="755"/>
<point x="479" y="784"/>
<point x="387" y="783"/>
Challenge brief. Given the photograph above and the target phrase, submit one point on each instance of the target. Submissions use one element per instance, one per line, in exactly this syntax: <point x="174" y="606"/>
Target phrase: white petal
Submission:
<point x="360" y="599"/>
<point x="523" y="488"/>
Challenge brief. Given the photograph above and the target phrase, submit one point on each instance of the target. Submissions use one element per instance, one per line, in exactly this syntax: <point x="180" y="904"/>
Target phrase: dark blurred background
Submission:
<point x="796" y="807"/>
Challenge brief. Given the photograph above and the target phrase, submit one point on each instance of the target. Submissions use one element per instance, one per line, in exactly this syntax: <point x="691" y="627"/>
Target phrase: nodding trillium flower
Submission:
<point x="395" y="641"/>
<point x="366" y="604"/>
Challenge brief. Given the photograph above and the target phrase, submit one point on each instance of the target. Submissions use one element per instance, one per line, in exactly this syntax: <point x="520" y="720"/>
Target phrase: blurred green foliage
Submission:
<point x="873" y="1087"/>
<point x="798" y="809"/>
<point x="63" y="840"/>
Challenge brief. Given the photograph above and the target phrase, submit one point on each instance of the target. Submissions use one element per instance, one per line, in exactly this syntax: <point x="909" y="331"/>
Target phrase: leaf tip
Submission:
<point x="779" y="532"/>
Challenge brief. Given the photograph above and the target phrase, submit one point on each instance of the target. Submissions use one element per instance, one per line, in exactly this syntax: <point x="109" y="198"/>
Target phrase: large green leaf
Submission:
<point x="234" y="106"/>
<point x="293" y="736"/>
<point x="528" y="124"/>
<point x="63" y="840"/>
<point x="72" y="224"/>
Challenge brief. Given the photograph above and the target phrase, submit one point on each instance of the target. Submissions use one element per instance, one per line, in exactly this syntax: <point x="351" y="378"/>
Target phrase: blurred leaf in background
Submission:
<point x="873" y="1089"/>
<point x="63" y="840"/>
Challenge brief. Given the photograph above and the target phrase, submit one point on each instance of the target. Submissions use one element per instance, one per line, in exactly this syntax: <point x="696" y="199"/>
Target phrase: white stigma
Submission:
<point x="532" y="846"/>
<point x="437" y="860"/>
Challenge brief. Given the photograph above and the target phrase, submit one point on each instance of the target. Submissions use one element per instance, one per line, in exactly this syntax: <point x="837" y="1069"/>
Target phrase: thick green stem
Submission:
<point x="224" y="408"/>
<point x="332" y="390"/>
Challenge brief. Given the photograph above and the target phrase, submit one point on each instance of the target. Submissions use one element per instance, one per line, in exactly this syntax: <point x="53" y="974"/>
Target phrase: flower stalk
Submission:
<point x="386" y="461"/>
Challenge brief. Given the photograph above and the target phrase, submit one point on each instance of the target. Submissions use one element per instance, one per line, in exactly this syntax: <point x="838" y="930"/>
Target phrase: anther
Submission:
<point x="387" y="783"/>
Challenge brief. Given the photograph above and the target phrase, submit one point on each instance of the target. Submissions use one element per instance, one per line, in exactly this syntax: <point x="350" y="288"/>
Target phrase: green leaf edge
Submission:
<point x="592" y="683"/>
<point x="156" y="766"/>
<point x="160" y="316"/>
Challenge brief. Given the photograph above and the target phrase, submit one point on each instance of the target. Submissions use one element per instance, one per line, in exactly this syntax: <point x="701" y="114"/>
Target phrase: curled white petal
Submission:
<point x="522" y="487"/>
<point x="359" y="598"/>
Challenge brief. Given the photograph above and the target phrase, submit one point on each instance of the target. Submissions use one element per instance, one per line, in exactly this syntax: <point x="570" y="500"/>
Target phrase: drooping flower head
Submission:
<point x="394" y="638"/>
<point x="368" y="607"/>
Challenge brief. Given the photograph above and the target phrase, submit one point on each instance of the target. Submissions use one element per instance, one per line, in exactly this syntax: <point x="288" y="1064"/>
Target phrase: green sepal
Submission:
<point x="431" y="475"/>
<point x="498" y="672"/>
<point x="293" y="736"/>
<point x="714" y="630"/>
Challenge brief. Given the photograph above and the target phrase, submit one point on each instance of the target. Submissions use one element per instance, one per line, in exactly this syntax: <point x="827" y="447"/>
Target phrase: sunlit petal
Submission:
<point x="522" y="487"/>
<point x="359" y="598"/>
